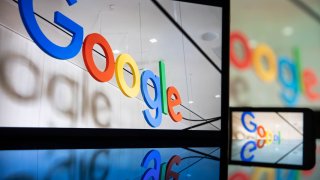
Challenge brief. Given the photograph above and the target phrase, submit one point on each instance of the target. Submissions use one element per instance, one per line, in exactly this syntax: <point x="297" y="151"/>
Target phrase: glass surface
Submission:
<point x="267" y="137"/>
<point x="291" y="31"/>
<point x="37" y="90"/>
<point x="131" y="163"/>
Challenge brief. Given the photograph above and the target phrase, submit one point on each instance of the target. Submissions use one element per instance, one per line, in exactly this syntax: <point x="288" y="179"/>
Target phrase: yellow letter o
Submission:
<point x="264" y="74"/>
<point x="123" y="59"/>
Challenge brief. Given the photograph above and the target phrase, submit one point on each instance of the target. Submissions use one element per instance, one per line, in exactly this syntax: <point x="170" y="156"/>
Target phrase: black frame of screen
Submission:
<point x="308" y="137"/>
<point x="317" y="123"/>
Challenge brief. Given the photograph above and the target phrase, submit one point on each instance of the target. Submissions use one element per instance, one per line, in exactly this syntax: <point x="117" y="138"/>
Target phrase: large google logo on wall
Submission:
<point x="165" y="99"/>
<point x="291" y="76"/>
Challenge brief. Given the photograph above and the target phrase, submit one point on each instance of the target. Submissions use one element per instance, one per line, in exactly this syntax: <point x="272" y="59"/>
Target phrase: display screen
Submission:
<point x="267" y="137"/>
<point x="131" y="163"/>
<point x="159" y="66"/>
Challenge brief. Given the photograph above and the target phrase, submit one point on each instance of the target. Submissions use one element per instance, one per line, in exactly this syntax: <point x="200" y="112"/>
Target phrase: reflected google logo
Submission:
<point x="159" y="170"/>
<point x="164" y="100"/>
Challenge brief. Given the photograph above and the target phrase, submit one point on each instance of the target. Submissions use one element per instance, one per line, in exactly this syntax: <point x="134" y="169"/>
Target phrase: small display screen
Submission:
<point x="122" y="163"/>
<point x="267" y="137"/>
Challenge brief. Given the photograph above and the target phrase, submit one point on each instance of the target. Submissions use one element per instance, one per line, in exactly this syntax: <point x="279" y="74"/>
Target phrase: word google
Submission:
<point x="295" y="82"/>
<point x="265" y="137"/>
<point x="163" y="101"/>
<point x="261" y="131"/>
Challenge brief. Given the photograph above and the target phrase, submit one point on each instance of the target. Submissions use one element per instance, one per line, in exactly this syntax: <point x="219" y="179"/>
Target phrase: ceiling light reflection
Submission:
<point x="116" y="51"/>
<point x="287" y="31"/>
<point x="153" y="40"/>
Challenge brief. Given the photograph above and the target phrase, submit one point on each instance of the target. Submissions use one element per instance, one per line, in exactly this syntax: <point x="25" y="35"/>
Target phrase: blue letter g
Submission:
<point x="254" y="125"/>
<point x="29" y="21"/>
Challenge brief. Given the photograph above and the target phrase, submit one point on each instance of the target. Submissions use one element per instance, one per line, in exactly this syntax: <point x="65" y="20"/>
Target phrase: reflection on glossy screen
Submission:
<point x="137" y="163"/>
<point x="267" y="137"/>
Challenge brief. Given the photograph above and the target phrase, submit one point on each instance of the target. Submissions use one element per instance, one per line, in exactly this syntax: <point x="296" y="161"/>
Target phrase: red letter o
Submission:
<point x="88" y="44"/>
<point x="246" y="60"/>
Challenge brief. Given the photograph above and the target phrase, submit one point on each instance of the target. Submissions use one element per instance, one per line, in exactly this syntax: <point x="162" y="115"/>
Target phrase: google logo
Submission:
<point x="265" y="136"/>
<point x="165" y="98"/>
<point x="261" y="131"/>
<point x="292" y="78"/>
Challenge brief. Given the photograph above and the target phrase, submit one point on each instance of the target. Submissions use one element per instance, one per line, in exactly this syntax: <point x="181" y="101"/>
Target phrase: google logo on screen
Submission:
<point x="259" y="129"/>
<point x="165" y="98"/>
<point x="264" y="137"/>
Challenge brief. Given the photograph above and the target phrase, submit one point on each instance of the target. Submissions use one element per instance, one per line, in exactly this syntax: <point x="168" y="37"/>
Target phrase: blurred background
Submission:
<point x="291" y="28"/>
